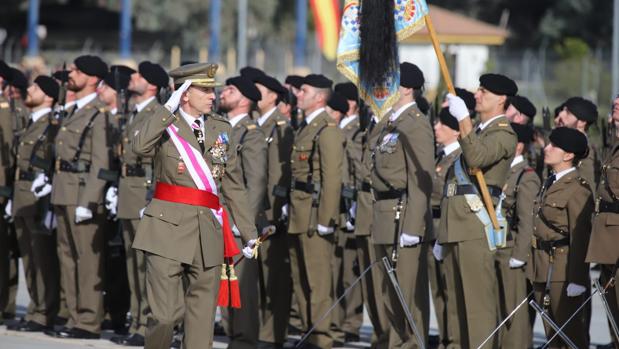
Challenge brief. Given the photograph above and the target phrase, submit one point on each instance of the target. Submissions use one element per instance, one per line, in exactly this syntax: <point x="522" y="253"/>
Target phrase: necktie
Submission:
<point x="551" y="179"/>
<point x="197" y="131"/>
<point x="440" y="156"/>
<point x="133" y="114"/>
<point x="29" y="123"/>
<point x="72" y="111"/>
<point x="302" y="124"/>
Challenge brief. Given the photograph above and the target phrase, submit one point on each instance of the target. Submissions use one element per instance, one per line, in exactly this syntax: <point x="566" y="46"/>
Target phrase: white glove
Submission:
<point x="82" y="214"/>
<point x="40" y="186"/>
<point x="437" y="251"/>
<point x="322" y="230"/>
<point x="248" y="250"/>
<point x="409" y="240"/>
<point x="457" y="107"/>
<point x="575" y="290"/>
<point x="8" y="209"/>
<point x="111" y="200"/>
<point x="349" y="226"/>
<point x="141" y="213"/>
<point x="285" y="210"/>
<point x="515" y="263"/>
<point x="352" y="211"/>
<point x="175" y="99"/>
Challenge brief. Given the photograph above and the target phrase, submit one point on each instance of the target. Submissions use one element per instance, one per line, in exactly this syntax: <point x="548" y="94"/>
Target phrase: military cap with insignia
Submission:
<point x="348" y="90"/>
<point x="251" y="73"/>
<point x="91" y="65"/>
<point x="200" y="74"/>
<point x="295" y="80"/>
<point x="117" y="81"/>
<point x="5" y="70"/>
<point x="498" y="84"/>
<point x="338" y="102"/>
<point x="523" y="132"/>
<point x="318" y="80"/>
<point x="61" y="75"/>
<point x="154" y="74"/>
<point x="246" y="87"/>
<point x="582" y="108"/>
<point x="18" y="79"/>
<point x="48" y="85"/>
<point x="271" y="83"/>
<point x="523" y="105"/>
<point x="411" y="76"/>
<point x="570" y="140"/>
<point x="448" y="120"/>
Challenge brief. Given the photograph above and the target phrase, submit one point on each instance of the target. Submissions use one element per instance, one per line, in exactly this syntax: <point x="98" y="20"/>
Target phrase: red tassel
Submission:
<point x="230" y="247"/>
<point x="235" y="292"/>
<point x="223" y="299"/>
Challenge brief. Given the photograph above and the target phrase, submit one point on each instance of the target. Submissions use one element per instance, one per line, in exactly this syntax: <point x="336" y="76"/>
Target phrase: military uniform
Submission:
<point x="462" y="234"/>
<point x="589" y="168"/>
<point x="316" y="161"/>
<point x="36" y="240"/>
<point x="80" y="153"/>
<point x="603" y="243"/>
<point x="562" y="225"/>
<point x="401" y="179"/>
<point x="347" y="318"/>
<point x="521" y="188"/>
<point x="274" y="266"/>
<point x="183" y="243"/>
<point x="242" y="325"/>
<point x="372" y="283"/>
<point x="442" y="284"/>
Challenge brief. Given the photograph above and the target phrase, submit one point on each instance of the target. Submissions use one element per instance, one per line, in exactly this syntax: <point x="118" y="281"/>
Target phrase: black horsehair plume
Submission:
<point x="378" y="52"/>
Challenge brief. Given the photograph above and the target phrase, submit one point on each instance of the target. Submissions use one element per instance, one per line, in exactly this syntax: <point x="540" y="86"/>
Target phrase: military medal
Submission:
<point x="218" y="152"/>
<point x="303" y="157"/>
<point x="180" y="169"/>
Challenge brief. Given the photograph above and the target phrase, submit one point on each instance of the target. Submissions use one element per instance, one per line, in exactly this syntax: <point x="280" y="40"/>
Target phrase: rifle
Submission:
<point x="546" y="119"/>
<point x="60" y="112"/>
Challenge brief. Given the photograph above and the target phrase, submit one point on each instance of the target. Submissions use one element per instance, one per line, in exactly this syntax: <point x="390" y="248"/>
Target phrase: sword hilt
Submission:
<point x="546" y="302"/>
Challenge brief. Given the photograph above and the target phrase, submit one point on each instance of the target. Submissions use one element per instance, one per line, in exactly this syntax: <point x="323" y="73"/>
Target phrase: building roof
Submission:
<point x="455" y="28"/>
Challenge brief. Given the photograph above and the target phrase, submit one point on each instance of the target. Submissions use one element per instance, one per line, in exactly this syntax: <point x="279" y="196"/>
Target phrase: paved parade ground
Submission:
<point x="15" y="340"/>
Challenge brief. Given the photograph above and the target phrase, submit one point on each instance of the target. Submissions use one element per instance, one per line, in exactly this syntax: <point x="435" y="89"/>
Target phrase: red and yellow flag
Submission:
<point x="327" y="19"/>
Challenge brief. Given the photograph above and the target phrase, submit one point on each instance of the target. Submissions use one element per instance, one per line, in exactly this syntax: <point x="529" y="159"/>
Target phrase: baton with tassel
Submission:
<point x="266" y="233"/>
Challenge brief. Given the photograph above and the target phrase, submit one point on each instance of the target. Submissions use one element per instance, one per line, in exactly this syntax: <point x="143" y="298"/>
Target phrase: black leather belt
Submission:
<point x="365" y="187"/>
<point x="73" y="167"/>
<point x="26" y="176"/>
<point x="605" y="206"/>
<point x="436" y="212"/>
<point x="453" y="189"/>
<point x="548" y="246"/>
<point x="133" y="171"/>
<point x="303" y="186"/>
<point x="388" y="195"/>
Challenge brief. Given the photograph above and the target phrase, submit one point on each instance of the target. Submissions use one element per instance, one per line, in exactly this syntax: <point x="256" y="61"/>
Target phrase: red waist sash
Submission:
<point x="186" y="195"/>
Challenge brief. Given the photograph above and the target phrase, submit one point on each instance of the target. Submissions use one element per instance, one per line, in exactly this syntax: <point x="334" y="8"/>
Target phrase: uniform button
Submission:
<point x="60" y="142"/>
<point x="63" y="128"/>
<point x="163" y="120"/>
<point x="201" y="212"/>
<point x="161" y="215"/>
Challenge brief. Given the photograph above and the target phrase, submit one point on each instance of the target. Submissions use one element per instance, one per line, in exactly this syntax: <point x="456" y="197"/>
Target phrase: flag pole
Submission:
<point x="450" y="87"/>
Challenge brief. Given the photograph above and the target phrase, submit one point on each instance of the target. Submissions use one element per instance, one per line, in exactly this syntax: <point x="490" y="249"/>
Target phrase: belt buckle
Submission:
<point x="451" y="189"/>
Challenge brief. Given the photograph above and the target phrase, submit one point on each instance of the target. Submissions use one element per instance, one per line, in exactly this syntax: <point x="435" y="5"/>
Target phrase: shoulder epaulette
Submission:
<point x="503" y="124"/>
<point x="583" y="182"/>
<point x="102" y="110"/>
<point x="218" y="117"/>
<point x="281" y="123"/>
<point x="331" y="124"/>
<point x="251" y="126"/>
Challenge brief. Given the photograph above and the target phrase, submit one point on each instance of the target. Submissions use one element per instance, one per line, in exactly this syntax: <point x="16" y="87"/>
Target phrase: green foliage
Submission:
<point x="572" y="48"/>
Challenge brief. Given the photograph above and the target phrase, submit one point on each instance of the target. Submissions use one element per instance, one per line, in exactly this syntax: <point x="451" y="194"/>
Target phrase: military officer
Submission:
<point x="18" y="86"/>
<point x="275" y="287"/>
<point x="77" y="195"/>
<point x="347" y="318"/>
<point x="237" y="101"/>
<point x="464" y="218"/>
<point x="520" y="111"/>
<point x="446" y="133"/>
<point x="401" y="179"/>
<point x="31" y="211"/>
<point x="316" y="161"/>
<point x="580" y="113"/>
<point x="185" y="232"/>
<point x="520" y="190"/>
<point x="562" y="226"/>
<point x="603" y="243"/>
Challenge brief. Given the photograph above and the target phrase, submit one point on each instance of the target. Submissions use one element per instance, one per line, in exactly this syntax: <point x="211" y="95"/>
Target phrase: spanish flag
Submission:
<point x="327" y="19"/>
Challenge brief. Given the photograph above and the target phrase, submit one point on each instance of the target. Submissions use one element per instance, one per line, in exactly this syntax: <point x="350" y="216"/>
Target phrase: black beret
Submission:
<point x="524" y="132"/>
<point x="122" y="69"/>
<point x="246" y="87"/>
<point x="582" y="108"/>
<point x="154" y="74"/>
<point x="448" y="120"/>
<point x="318" y="80"/>
<point x="117" y="81"/>
<point x="294" y="80"/>
<point x="570" y="140"/>
<point x="91" y="65"/>
<point x="348" y="90"/>
<point x="18" y="79"/>
<point x="338" y="102"/>
<point x="251" y="73"/>
<point x="411" y="76"/>
<point x="468" y="97"/>
<point x="271" y="83"/>
<point x="5" y="70"/>
<point x="48" y="85"/>
<point x="523" y="105"/>
<point x="498" y="84"/>
<point x="422" y="104"/>
<point x="61" y="75"/>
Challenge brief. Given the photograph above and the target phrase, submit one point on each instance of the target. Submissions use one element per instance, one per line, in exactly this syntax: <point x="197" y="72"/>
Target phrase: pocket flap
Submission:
<point x="612" y="219"/>
<point x="168" y="215"/>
